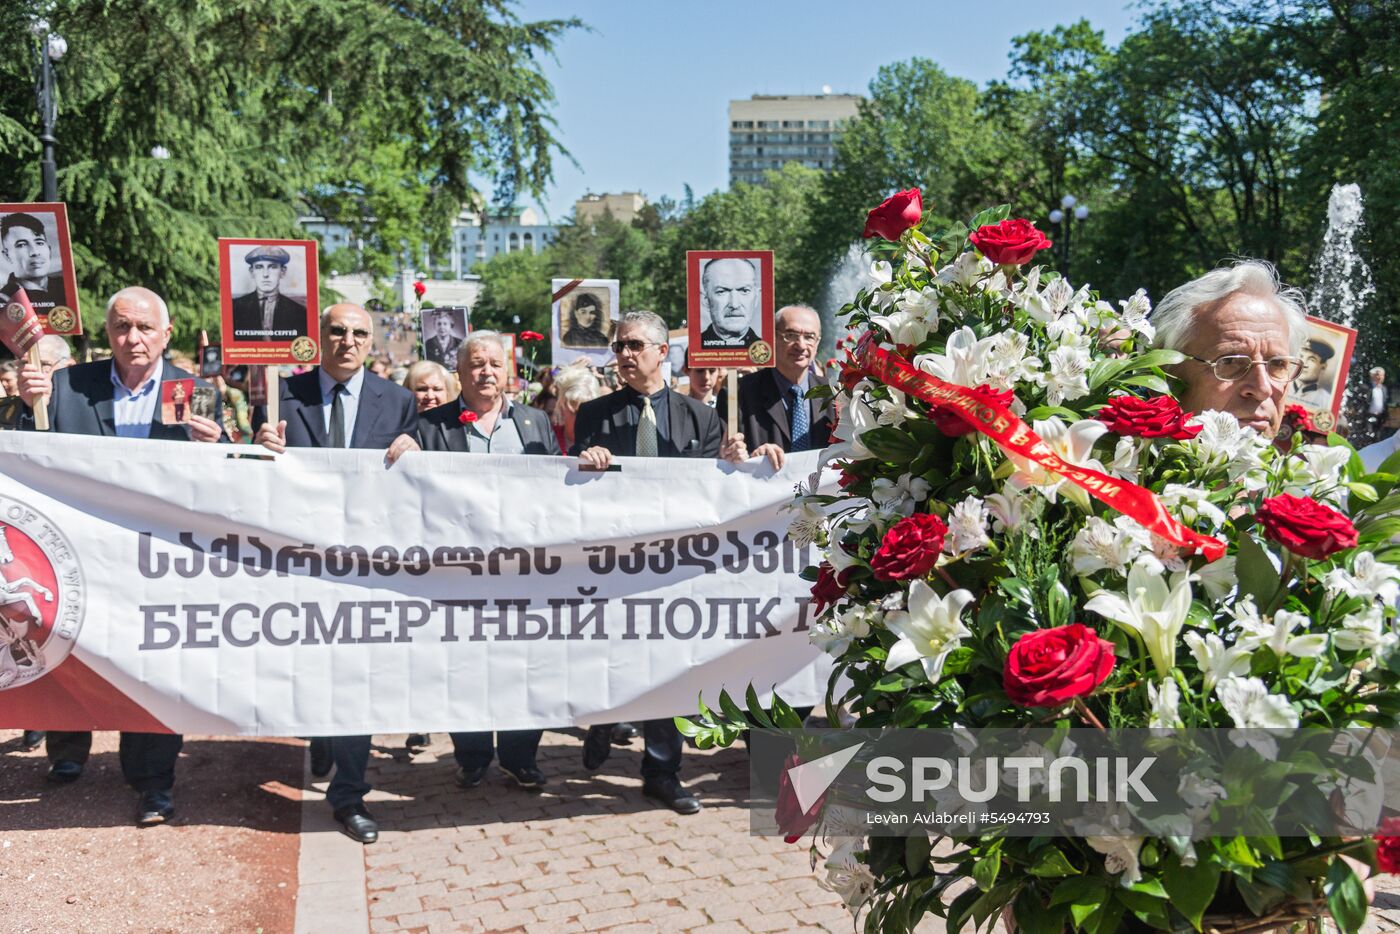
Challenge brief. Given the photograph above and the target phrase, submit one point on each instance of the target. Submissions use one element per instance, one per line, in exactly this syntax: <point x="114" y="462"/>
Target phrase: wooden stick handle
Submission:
<point x="274" y="395"/>
<point x="732" y="391"/>
<point x="41" y="403"/>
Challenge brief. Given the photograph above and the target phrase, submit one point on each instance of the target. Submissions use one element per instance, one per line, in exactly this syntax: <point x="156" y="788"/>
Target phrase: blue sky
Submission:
<point x="643" y="98"/>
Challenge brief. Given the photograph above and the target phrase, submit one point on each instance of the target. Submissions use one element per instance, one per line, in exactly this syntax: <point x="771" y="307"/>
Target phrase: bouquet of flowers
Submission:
<point x="1031" y="531"/>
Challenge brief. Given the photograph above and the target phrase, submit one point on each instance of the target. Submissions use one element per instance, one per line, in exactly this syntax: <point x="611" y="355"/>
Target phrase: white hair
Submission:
<point x="649" y="320"/>
<point x="422" y="368"/>
<point x="481" y="337"/>
<point x="54" y="347"/>
<point x="135" y="293"/>
<point x="1175" y="315"/>
<point x="1377" y="371"/>
<point x="576" y="385"/>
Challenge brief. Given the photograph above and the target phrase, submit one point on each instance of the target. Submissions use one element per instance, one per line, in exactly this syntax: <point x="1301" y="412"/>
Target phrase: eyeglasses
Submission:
<point x="799" y="337"/>
<point x="340" y="330"/>
<point x="1232" y="367"/>
<point x="633" y="345"/>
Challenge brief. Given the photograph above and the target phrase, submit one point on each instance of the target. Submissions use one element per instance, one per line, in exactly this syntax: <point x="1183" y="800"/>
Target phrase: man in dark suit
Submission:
<point x="121" y="398"/>
<point x="339" y="404"/>
<point x="265" y="314"/>
<point x="495" y="425"/>
<point x="646" y="419"/>
<point x="774" y="415"/>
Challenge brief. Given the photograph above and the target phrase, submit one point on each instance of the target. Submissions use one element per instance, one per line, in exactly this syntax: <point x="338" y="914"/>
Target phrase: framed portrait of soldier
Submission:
<point x="585" y="315"/>
<point x="1321" y="384"/>
<point x="729" y="297"/>
<point x="268" y="302"/>
<point x="441" y="331"/>
<point x="35" y="255"/>
<point x="176" y="396"/>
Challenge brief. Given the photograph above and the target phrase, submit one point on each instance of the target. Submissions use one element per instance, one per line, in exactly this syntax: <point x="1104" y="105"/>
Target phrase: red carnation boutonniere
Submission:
<point x="531" y="336"/>
<point x="467" y="417"/>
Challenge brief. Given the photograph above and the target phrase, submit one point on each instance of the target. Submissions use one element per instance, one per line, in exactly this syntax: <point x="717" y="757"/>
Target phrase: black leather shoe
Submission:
<point x="623" y="734"/>
<point x="418" y="741"/>
<point x="321" y="761"/>
<point x="32" y="740"/>
<point x="529" y="777"/>
<point x="64" y="771"/>
<point x="357" y="823"/>
<point x="670" y="792"/>
<point x="154" y="807"/>
<point x="597" y="746"/>
<point x="470" y="778"/>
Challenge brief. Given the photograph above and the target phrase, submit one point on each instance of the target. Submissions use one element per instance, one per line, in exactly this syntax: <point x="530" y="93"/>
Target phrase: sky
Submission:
<point x="643" y="97"/>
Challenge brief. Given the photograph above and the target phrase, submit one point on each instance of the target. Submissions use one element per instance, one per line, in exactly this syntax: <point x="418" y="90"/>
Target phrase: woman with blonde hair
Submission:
<point x="573" y="386"/>
<point x="430" y="384"/>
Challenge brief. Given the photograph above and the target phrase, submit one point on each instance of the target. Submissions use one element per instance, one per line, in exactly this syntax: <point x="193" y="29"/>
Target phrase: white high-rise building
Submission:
<point x="766" y="131"/>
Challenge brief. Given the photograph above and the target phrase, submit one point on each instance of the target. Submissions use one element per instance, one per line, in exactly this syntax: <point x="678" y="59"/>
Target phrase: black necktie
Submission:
<point x="337" y="416"/>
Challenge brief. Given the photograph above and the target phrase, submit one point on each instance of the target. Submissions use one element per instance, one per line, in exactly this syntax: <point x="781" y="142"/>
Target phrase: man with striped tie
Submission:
<point x="646" y="419"/>
<point x="774" y="415"/>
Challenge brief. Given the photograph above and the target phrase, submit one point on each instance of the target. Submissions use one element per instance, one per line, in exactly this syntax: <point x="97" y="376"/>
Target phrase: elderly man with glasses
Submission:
<point x="1242" y="333"/>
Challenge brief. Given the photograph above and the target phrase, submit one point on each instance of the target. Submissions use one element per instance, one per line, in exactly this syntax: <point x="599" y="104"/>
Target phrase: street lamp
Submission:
<point x="51" y="48"/>
<point x="160" y="152"/>
<point x="1063" y="217"/>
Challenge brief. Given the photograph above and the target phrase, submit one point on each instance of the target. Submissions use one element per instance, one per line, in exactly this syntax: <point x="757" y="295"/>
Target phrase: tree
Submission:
<point x="382" y="116"/>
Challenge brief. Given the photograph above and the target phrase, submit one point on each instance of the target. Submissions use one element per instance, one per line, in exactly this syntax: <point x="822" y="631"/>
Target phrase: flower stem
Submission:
<point x="1088" y="714"/>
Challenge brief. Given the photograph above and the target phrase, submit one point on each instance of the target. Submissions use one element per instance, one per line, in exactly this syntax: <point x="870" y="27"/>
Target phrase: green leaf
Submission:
<point x="1106" y="919"/>
<point x="891" y="445"/>
<point x="1191" y="888"/>
<point x="1346" y="898"/>
<point x="756" y="709"/>
<point x="986" y="869"/>
<point x="916" y="852"/>
<point x="990" y="216"/>
<point x="1050" y="863"/>
<point x="1255" y="572"/>
<point x="731" y="709"/>
<point x="687" y="727"/>
<point x="1081" y="889"/>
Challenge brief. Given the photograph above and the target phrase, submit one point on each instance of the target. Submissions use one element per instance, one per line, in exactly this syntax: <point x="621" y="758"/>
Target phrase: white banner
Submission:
<point x="322" y="593"/>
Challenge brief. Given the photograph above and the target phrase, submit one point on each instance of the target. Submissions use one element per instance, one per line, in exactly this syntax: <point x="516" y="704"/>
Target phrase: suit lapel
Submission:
<point x="100" y="392"/>
<point x="454" y="436"/>
<point x="681" y="433"/>
<point x="368" y="410"/>
<point x="310" y="410"/>
<point x="777" y="411"/>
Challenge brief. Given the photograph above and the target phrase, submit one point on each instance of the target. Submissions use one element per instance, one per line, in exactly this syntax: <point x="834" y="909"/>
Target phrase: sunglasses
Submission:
<point x="340" y="330"/>
<point x="634" y="345"/>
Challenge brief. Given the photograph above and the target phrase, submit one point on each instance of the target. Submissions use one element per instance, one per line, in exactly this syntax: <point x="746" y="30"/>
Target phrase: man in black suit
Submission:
<point x="774" y="415"/>
<point x="121" y="398"/>
<point x="646" y="419"/>
<point x="339" y="404"/>
<point x="265" y="314"/>
<point x="730" y="290"/>
<point x="495" y="425"/>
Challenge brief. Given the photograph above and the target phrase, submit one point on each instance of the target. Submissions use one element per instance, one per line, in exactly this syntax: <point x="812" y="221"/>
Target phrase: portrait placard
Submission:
<point x="441" y="332"/>
<point x="1322" y="384"/>
<point x="268" y="301"/>
<point x="35" y="255"/>
<point x="729" y="297"/>
<point x="211" y="361"/>
<point x="175" y="398"/>
<point x="584" y="316"/>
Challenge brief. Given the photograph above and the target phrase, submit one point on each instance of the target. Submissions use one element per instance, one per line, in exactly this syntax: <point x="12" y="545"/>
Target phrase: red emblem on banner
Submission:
<point x="19" y="326"/>
<point x="40" y="606"/>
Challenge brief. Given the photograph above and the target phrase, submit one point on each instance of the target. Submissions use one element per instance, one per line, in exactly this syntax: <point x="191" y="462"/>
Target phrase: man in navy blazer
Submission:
<point x="340" y="404"/>
<point x="669" y="425"/>
<point x="121" y="398"/>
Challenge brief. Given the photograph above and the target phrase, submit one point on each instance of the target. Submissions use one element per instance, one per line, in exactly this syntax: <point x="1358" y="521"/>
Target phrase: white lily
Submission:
<point x="1126" y="454"/>
<point x="928" y="630"/>
<point x="894" y="412"/>
<point x="1071" y="443"/>
<point x="1153" y="610"/>
<point x="1216" y="661"/>
<point x="1009" y="509"/>
<point x="856" y="418"/>
<point x="1166" y="704"/>
<point x="963" y="361"/>
<point x="881" y="273"/>
<point x="965" y="270"/>
<point x="1277" y="634"/>
<point x="905" y="327"/>
<point x="1367" y="578"/>
<point x="1218" y="578"/>
<point x="1251" y="706"/>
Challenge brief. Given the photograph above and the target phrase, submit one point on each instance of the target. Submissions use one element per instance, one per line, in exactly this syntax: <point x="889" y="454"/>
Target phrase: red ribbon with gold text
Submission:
<point x="1015" y="437"/>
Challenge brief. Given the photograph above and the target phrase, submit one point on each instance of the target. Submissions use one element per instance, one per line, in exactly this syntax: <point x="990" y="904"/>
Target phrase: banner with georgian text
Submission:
<point x="152" y="585"/>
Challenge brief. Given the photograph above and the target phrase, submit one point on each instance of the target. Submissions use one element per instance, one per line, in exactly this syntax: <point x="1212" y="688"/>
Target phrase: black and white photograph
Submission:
<point x="584" y="318"/>
<point x="35" y="257"/>
<point x="269" y="293"/>
<point x="443" y="331"/>
<point x="1321" y="383"/>
<point x="730" y="307"/>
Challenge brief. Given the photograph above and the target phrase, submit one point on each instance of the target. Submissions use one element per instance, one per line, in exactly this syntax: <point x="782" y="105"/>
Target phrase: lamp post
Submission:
<point x="52" y="47"/>
<point x="1063" y="217"/>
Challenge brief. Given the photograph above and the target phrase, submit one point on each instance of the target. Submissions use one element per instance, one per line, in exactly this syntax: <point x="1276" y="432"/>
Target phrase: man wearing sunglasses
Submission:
<point x="1242" y="334"/>
<point x="340" y="404"/>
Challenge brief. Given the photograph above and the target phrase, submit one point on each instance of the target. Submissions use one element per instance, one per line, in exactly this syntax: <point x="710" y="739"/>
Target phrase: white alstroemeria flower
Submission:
<point x="894" y="412"/>
<point x="1120" y="854"/>
<point x="1153" y="609"/>
<point x="928" y="630"/>
<point x="903" y="327"/>
<point x="1221" y="438"/>
<point x="1007" y="363"/>
<point x="807" y="526"/>
<point x="1218" y="578"/>
<point x="963" y="361"/>
<point x="1108" y="545"/>
<point x="1277" y="634"/>
<point x="1057" y="295"/>
<point x="855" y="419"/>
<point x="835" y="634"/>
<point x="1326" y="467"/>
<point x="1125" y="458"/>
<point x="1071" y="443"/>
<point x="1067" y="328"/>
<point x="1009" y="509"/>
<point x="881" y="273"/>
<point x="1190" y="504"/>
<point x="967" y="527"/>
<point x="847" y="876"/>
<point x="1216" y="661"/>
<point x="1166" y="704"/>
<point x="921" y="302"/>
<point x="1135" y="312"/>
<point x="1067" y="378"/>
<point x="1362" y="631"/>
<point x="1167" y="555"/>
<point x="965" y="270"/>
<point x="899" y="497"/>
<point x="1244" y="616"/>
<point x="1368" y="578"/>
<point x="1199" y="792"/>
<point x="1251" y="706"/>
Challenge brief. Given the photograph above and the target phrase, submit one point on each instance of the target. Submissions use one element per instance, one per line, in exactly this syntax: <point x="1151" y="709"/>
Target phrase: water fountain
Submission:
<point x="1341" y="287"/>
<point x="848" y="276"/>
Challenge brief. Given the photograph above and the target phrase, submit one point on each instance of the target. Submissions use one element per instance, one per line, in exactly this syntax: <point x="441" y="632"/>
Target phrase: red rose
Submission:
<point x="791" y="819"/>
<point x="949" y="420"/>
<point x="848" y="479"/>
<point x="419" y="288"/>
<point x="829" y="588"/>
<point x="1388" y="845"/>
<point x="467" y="417"/>
<point x="910" y="548"/>
<point x="1306" y="527"/>
<point x="896" y="214"/>
<point x="1301" y="418"/>
<point x="1158" y="417"/>
<point x="1010" y="243"/>
<point x="531" y="336"/>
<point x="1047" y="667"/>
